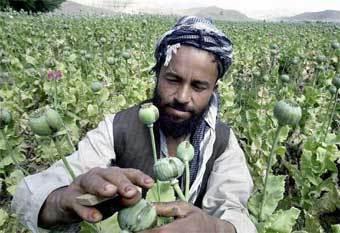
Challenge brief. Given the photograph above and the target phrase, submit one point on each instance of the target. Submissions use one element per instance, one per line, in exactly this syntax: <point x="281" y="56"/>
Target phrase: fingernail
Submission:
<point x="148" y="180"/>
<point x="130" y="190"/>
<point x="95" y="216"/>
<point x="109" y="188"/>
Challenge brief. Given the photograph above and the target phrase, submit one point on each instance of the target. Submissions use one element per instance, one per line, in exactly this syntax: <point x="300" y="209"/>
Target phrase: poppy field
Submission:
<point x="87" y="67"/>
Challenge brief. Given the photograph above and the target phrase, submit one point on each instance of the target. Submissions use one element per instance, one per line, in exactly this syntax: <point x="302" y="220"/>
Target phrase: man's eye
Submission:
<point x="172" y="80"/>
<point x="199" y="88"/>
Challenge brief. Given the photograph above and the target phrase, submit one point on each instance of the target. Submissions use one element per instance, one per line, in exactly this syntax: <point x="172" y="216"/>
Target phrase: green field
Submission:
<point x="303" y="193"/>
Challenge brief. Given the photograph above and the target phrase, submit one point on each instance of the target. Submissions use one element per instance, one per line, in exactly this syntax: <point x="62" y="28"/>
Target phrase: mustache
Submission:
<point x="180" y="107"/>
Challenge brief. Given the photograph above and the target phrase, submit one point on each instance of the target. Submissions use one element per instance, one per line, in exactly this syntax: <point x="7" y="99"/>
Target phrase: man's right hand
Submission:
<point x="61" y="206"/>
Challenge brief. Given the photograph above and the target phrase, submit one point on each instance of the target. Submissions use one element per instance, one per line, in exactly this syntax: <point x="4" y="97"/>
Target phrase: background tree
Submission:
<point x="31" y="5"/>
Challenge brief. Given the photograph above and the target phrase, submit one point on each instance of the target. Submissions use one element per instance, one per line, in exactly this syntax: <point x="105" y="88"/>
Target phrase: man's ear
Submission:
<point x="216" y="85"/>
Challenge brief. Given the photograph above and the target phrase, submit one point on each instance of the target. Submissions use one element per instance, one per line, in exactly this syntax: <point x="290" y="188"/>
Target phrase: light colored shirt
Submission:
<point x="228" y="189"/>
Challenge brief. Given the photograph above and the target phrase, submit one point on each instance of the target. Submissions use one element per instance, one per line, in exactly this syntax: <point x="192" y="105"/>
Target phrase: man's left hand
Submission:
<point x="189" y="219"/>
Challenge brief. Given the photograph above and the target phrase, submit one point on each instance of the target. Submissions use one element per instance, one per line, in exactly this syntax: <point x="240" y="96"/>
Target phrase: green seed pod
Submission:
<point x="82" y="52"/>
<point x="332" y="89"/>
<point x="335" y="45"/>
<point x="87" y="56"/>
<point x="265" y="78"/>
<point x="284" y="78"/>
<point x="102" y="40"/>
<point x="148" y="113"/>
<point x="185" y="151"/>
<point x="138" y="217"/>
<point x="287" y="113"/>
<point x="40" y="126"/>
<point x="5" y="117"/>
<point x="295" y="61"/>
<point x="257" y="74"/>
<point x="110" y="61"/>
<point x="53" y="119"/>
<point x="336" y="81"/>
<point x="96" y="86"/>
<point x="274" y="46"/>
<point x="274" y="52"/>
<point x="126" y="55"/>
<point x="169" y="168"/>
<point x="320" y="58"/>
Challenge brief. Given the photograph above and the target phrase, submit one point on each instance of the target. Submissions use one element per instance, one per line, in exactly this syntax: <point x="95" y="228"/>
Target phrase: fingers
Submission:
<point x="107" y="182"/>
<point x="138" y="177"/>
<point x="93" y="183"/>
<point x="178" y="209"/>
<point x="89" y="214"/>
<point x="126" y="179"/>
<point x="130" y="201"/>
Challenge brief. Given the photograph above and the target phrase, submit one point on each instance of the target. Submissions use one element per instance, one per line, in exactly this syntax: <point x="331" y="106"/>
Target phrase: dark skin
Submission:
<point x="189" y="80"/>
<point x="61" y="206"/>
<point x="188" y="218"/>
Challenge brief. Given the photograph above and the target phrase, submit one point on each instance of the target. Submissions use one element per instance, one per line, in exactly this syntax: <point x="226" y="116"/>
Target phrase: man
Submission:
<point x="190" y="59"/>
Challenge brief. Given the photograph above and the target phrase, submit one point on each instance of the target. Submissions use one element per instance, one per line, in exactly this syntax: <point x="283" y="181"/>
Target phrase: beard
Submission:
<point x="172" y="128"/>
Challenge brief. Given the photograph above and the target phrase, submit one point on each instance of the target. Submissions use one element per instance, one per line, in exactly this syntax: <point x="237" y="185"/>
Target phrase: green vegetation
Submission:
<point x="88" y="67"/>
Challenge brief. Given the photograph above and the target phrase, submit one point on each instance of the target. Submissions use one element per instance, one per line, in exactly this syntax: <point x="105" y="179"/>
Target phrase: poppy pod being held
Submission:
<point x="169" y="168"/>
<point x="139" y="217"/>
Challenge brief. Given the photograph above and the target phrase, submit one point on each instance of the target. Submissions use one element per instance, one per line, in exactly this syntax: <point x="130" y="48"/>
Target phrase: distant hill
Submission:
<point x="216" y="13"/>
<point x="73" y="8"/>
<point x="322" y="16"/>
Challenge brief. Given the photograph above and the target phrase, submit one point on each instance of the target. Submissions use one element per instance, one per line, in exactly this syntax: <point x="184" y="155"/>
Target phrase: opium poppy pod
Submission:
<point x="40" y="126"/>
<point x="53" y="119"/>
<point x="5" y="117"/>
<point x="284" y="78"/>
<point x="148" y="113"/>
<point x="96" y="86"/>
<point x="139" y="217"/>
<point x="185" y="151"/>
<point x="169" y="168"/>
<point x="287" y="113"/>
<point x="332" y="89"/>
<point x="336" y="81"/>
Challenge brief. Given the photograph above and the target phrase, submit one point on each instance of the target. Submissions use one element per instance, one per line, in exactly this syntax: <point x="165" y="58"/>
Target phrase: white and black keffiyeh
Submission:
<point x="197" y="32"/>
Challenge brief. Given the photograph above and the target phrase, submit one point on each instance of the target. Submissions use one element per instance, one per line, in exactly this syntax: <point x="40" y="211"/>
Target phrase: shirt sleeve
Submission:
<point x="229" y="187"/>
<point x="95" y="150"/>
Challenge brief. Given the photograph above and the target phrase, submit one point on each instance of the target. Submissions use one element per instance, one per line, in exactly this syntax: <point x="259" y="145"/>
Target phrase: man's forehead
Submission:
<point x="185" y="52"/>
<point x="182" y="62"/>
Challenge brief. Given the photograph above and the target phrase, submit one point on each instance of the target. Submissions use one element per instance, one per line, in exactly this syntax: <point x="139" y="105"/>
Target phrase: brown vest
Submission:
<point x="132" y="145"/>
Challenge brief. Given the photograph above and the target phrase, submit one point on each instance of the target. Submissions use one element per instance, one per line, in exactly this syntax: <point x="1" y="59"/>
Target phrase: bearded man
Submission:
<point x="116" y="157"/>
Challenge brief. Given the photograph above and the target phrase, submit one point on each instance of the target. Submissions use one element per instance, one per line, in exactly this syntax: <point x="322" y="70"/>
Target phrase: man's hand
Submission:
<point x="189" y="218"/>
<point x="61" y="206"/>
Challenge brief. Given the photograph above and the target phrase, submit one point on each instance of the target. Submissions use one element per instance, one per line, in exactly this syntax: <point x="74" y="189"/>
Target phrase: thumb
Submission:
<point x="178" y="209"/>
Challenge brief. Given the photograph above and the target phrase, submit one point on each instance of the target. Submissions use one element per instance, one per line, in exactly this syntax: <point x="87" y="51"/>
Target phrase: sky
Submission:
<point x="259" y="9"/>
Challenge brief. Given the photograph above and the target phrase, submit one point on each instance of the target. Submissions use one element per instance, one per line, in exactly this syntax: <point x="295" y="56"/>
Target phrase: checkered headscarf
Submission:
<point x="197" y="32"/>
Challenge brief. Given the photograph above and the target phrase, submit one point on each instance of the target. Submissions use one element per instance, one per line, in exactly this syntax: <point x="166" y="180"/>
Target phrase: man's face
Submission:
<point x="185" y="86"/>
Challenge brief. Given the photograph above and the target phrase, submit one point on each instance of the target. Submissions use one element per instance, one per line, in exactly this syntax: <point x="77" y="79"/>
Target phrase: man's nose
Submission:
<point x="183" y="95"/>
